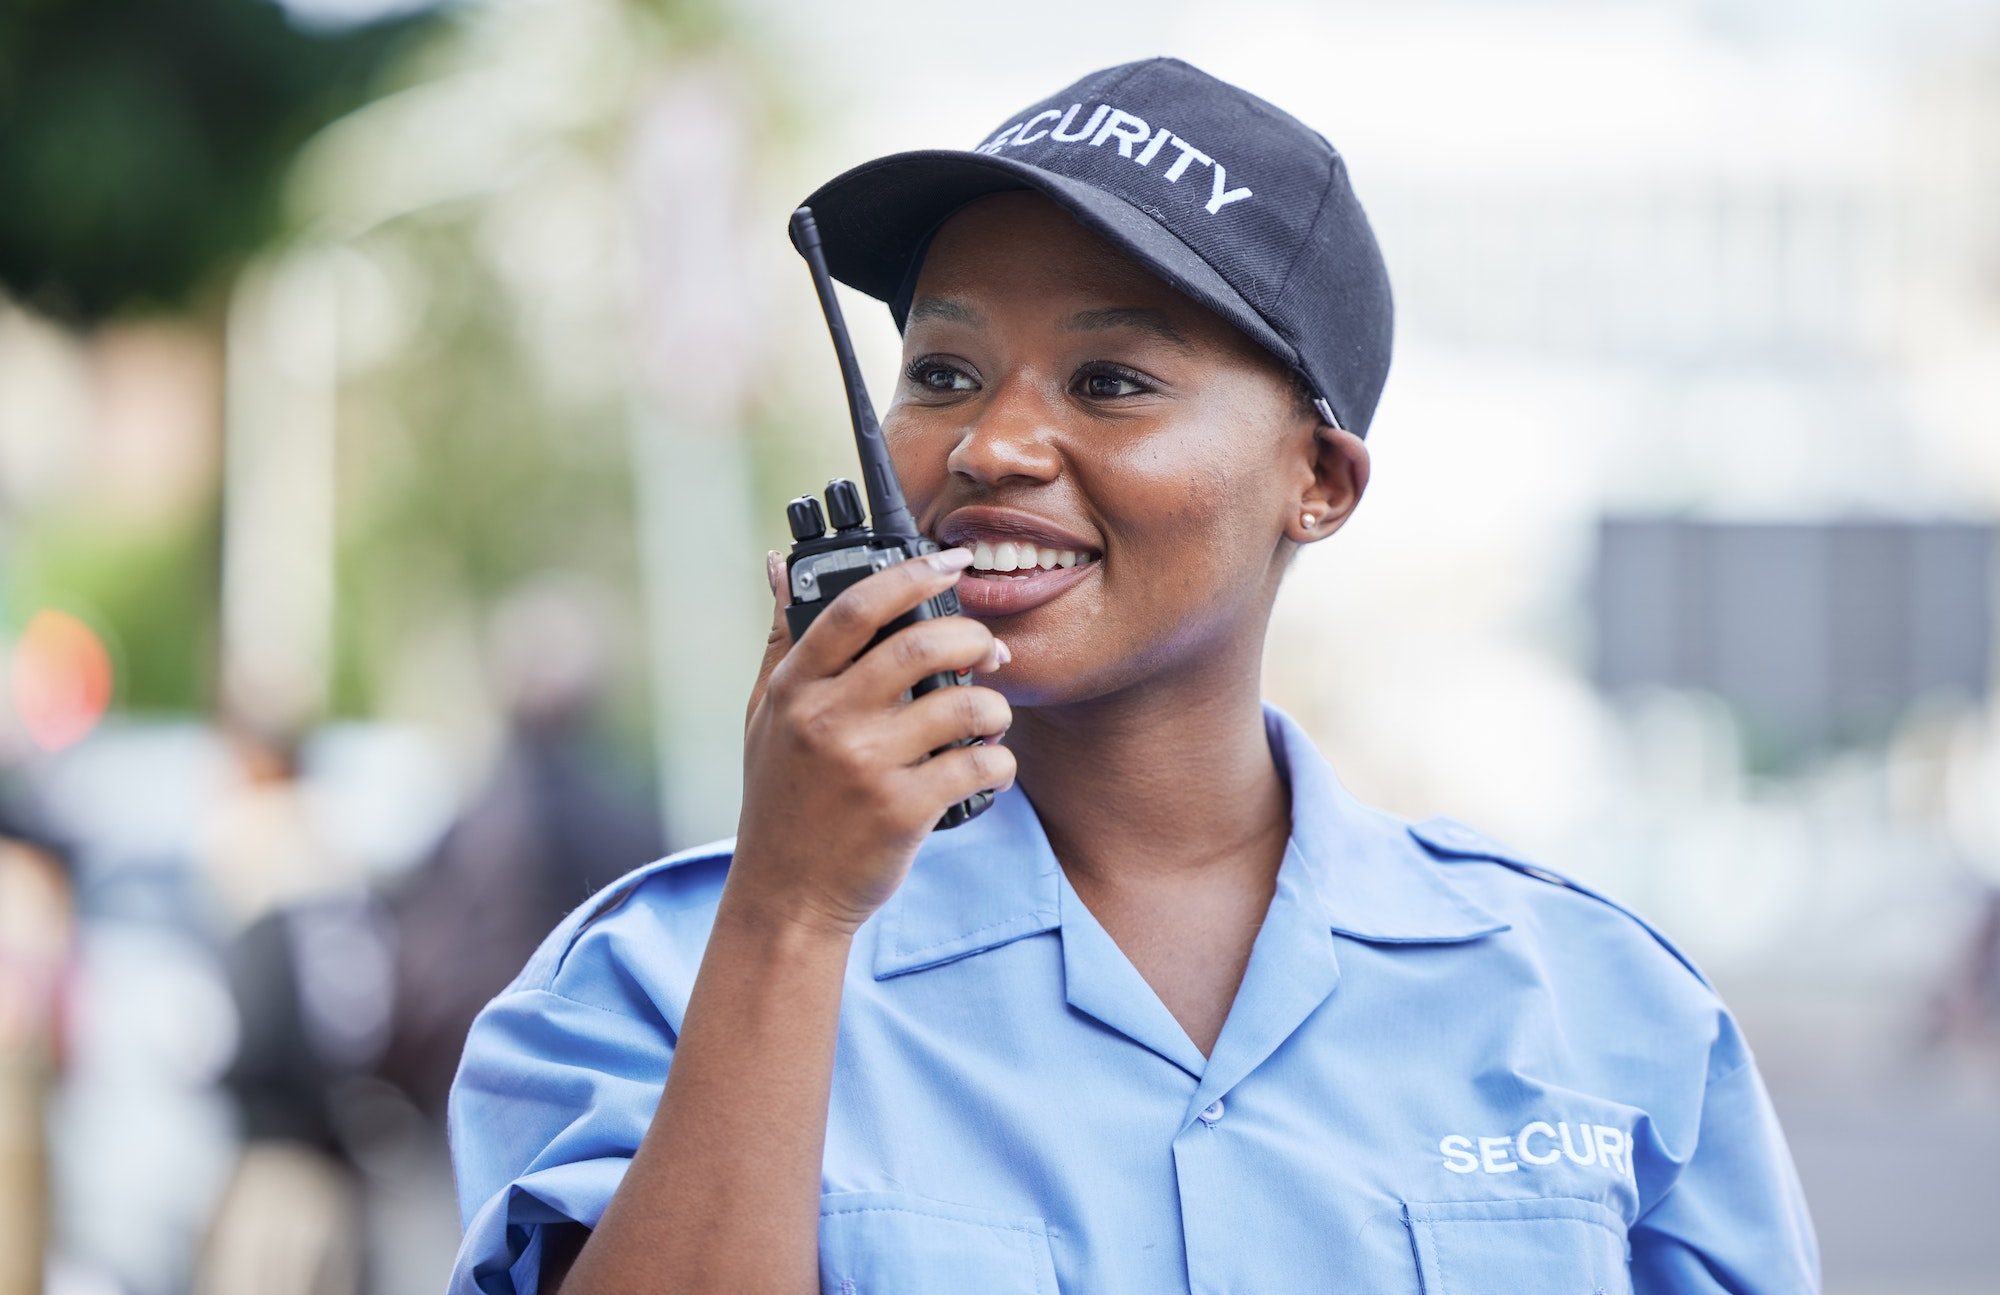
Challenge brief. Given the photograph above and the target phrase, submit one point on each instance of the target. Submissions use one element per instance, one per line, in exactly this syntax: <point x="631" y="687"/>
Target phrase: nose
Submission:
<point x="1010" y="438"/>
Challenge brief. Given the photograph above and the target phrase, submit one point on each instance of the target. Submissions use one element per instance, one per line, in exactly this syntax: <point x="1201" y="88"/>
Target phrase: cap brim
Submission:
<point x="874" y="219"/>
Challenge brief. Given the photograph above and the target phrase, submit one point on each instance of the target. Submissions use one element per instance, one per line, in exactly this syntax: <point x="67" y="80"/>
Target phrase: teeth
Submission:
<point x="1007" y="555"/>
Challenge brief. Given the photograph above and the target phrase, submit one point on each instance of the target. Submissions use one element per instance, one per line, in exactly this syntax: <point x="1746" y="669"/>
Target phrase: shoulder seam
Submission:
<point x="1464" y="843"/>
<point x="1747" y="1063"/>
<point x="550" y="992"/>
<point x="611" y="899"/>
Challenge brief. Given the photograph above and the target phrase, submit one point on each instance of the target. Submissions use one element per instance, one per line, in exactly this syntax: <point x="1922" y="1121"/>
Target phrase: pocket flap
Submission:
<point x="891" y="1243"/>
<point x="1542" y="1246"/>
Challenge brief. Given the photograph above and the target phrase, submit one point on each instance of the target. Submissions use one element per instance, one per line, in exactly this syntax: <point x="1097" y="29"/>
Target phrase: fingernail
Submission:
<point x="1001" y="653"/>
<point x="950" y="560"/>
<point x="774" y="568"/>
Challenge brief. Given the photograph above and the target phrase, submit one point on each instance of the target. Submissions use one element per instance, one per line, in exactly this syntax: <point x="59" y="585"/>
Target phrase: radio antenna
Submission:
<point x="885" y="494"/>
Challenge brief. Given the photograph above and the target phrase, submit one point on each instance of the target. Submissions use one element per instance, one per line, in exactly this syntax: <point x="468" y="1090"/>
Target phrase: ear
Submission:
<point x="1340" y="475"/>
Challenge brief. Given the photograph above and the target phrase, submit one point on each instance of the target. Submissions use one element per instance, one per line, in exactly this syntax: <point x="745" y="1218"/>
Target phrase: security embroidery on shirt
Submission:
<point x="1539" y="1145"/>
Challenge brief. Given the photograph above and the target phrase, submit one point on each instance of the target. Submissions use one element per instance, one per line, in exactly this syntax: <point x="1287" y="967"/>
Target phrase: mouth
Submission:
<point x="1019" y="561"/>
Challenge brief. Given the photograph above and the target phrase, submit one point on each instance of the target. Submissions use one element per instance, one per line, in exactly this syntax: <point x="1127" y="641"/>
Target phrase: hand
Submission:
<point x="839" y="786"/>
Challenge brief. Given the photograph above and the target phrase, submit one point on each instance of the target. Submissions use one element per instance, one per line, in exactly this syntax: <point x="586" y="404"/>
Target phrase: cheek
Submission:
<point x="919" y="451"/>
<point x="1193" y="511"/>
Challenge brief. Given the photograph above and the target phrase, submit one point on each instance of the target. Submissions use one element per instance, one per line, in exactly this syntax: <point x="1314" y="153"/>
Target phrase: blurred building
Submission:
<point x="1816" y="634"/>
<point x="1677" y="568"/>
<point x="1694" y="348"/>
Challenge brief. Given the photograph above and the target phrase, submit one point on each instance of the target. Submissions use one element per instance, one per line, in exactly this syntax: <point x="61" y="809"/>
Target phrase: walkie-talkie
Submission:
<point x="823" y="564"/>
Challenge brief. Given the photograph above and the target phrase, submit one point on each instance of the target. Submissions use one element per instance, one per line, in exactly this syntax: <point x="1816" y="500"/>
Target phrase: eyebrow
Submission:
<point x="1136" y="317"/>
<point x="949" y="309"/>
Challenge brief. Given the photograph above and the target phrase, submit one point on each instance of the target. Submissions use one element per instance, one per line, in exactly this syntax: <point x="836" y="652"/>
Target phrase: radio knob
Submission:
<point x="843" y="504"/>
<point x="805" y="519"/>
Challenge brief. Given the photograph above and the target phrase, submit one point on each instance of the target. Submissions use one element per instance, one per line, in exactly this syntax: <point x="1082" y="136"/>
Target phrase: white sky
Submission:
<point x="1408" y="89"/>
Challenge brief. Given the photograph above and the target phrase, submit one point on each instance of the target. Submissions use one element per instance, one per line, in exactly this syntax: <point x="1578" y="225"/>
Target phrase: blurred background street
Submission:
<point x="396" y="401"/>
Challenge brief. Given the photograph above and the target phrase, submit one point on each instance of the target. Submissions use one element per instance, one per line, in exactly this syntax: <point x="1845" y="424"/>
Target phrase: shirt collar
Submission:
<point x="989" y="882"/>
<point x="1374" y="881"/>
<point x="995" y="880"/>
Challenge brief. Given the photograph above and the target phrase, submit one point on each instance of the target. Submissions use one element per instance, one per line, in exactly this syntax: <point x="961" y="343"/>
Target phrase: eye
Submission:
<point x="1105" y="382"/>
<point x="934" y="375"/>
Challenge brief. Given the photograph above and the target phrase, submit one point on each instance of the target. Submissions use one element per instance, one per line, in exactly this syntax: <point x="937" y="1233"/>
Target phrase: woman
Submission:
<point x="1176" y="1013"/>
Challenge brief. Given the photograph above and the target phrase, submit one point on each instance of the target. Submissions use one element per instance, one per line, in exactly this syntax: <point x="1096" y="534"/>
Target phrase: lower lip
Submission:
<point x="1011" y="595"/>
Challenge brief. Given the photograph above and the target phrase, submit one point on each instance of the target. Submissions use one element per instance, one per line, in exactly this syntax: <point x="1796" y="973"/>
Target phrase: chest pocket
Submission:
<point x="888" y="1243"/>
<point x="1549" y="1246"/>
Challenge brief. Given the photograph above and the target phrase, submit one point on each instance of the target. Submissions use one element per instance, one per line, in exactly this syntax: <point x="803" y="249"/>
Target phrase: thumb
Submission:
<point x="780" y="640"/>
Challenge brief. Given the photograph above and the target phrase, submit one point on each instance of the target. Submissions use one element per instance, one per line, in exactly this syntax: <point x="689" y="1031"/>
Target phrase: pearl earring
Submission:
<point x="1309" y="520"/>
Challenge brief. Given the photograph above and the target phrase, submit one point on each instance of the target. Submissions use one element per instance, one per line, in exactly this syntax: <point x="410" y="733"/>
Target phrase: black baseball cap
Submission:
<point x="1232" y="201"/>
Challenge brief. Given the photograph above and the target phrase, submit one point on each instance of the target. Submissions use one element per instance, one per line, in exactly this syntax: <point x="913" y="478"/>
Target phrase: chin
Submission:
<point x="1062" y="668"/>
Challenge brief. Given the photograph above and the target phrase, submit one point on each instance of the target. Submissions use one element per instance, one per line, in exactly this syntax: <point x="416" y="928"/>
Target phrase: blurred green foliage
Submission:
<point x="143" y="143"/>
<point x="462" y="475"/>
<point x="474" y="454"/>
<point x="151" y="595"/>
<point x="148" y="149"/>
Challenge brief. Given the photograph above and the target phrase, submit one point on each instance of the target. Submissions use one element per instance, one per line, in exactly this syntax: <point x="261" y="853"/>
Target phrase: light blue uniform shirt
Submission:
<point x="1446" y="1071"/>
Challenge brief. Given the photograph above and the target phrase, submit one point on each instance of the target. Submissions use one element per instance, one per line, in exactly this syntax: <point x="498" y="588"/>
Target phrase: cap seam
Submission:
<point x="1319" y="214"/>
<point x="1277" y="332"/>
<point x="1333" y="169"/>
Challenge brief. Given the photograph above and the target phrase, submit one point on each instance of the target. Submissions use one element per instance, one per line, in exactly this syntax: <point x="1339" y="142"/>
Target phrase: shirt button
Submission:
<point x="1211" y="1113"/>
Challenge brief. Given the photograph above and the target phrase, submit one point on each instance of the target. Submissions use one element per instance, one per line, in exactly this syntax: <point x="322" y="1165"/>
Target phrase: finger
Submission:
<point x="842" y="631"/>
<point x="937" y="719"/>
<point x="779" y="642"/>
<point x="946" y="644"/>
<point x="996" y="656"/>
<point x="950" y="776"/>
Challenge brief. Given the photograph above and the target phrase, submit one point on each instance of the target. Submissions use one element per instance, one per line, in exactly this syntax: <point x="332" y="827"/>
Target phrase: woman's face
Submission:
<point x="1129" y="470"/>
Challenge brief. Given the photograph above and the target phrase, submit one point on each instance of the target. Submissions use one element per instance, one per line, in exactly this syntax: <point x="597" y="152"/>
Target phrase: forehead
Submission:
<point x="1021" y="256"/>
<point x="1014" y="238"/>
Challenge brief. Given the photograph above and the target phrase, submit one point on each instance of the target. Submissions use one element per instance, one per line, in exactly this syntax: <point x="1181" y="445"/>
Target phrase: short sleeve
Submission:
<point x="563" y="1071"/>
<point x="1735" y="1219"/>
<point x="552" y="1100"/>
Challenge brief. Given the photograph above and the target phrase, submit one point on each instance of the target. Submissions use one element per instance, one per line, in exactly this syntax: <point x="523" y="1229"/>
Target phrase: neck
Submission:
<point x="1169" y="779"/>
